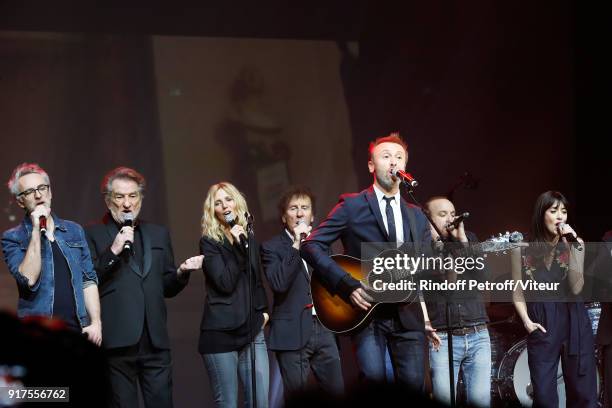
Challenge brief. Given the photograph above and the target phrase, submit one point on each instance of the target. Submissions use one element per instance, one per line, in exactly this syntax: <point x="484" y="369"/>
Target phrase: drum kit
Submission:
<point x="510" y="378"/>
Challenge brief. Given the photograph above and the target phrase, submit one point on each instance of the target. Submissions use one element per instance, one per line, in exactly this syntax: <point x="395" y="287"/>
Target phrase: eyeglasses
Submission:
<point x="42" y="189"/>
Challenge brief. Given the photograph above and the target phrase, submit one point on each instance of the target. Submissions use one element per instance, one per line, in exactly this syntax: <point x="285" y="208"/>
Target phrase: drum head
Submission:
<point x="522" y="381"/>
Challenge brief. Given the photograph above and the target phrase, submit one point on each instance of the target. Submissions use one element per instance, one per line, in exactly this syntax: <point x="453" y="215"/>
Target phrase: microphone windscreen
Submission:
<point x="128" y="219"/>
<point x="229" y="218"/>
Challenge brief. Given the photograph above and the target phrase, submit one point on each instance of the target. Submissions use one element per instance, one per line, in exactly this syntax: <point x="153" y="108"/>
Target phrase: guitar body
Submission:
<point x="333" y="312"/>
<point x="341" y="317"/>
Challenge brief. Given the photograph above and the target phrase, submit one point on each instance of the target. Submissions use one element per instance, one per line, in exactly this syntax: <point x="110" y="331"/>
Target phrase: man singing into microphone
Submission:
<point x="301" y="343"/>
<point x="52" y="267"/>
<point x="135" y="265"/>
<point x="468" y="319"/>
<point x="376" y="215"/>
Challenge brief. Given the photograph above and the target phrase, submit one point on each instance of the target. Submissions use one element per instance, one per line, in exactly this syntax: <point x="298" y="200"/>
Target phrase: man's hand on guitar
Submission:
<point x="361" y="299"/>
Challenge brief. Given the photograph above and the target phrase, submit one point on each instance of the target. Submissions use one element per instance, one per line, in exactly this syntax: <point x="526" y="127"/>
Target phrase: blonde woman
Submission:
<point x="225" y="337"/>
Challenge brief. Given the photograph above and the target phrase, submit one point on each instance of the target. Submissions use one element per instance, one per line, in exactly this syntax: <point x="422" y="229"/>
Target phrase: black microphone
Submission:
<point x="570" y="237"/>
<point x="303" y="235"/>
<point x="128" y="221"/>
<point x="231" y="221"/>
<point x="405" y="177"/>
<point x="42" y="224"/>
<point x="458" y="220"/>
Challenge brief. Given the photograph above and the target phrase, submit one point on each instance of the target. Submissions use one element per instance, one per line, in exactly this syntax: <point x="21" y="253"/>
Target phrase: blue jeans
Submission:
<point x="472" y="353"/>
<point x="405" y="347"/>
<point x="223" y="370"/>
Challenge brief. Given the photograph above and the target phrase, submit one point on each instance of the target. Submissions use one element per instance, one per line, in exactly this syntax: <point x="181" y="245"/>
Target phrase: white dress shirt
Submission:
<point x="397" y="213"/>
<point x="305" y="267"/>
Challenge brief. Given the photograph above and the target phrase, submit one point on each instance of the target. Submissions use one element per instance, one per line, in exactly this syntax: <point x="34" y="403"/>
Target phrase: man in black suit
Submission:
<point x="300" y="341"/>
<point x="377" y="215"/>
<point x="135" y="266"/>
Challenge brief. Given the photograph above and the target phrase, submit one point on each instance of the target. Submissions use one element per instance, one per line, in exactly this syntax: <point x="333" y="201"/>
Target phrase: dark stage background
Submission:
<point x="497" y="101"/>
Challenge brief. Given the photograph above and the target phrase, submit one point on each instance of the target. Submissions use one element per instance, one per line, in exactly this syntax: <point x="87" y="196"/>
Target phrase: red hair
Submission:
<point x="393" y="137"/>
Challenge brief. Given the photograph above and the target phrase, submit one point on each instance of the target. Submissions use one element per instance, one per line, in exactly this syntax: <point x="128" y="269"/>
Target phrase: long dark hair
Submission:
<point x="539" y="236"/>
<point x="539" y="233"/>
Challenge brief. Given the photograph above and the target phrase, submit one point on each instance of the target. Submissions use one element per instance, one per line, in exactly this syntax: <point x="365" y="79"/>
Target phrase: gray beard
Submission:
<point x="385" y="181"/>
<point x="119" y="217"/>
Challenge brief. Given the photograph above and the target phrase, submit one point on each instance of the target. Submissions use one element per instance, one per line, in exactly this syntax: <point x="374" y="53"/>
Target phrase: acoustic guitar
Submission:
<point x="342" y="317"/>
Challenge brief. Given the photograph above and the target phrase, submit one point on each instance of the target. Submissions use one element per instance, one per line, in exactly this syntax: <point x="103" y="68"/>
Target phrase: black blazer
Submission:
<point x="357" y="219"/>
<point x="127" y="294"/>
<point x="226" y="307"/>
<point x="291" y="320"/>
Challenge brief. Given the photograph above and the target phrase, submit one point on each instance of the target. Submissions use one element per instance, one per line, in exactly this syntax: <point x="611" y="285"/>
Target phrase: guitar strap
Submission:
<point x="416" y="242"/>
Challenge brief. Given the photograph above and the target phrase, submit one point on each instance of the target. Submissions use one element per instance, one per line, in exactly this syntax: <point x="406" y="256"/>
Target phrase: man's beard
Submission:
<point x="385" y="180"/>
<point x="119" y="216"/>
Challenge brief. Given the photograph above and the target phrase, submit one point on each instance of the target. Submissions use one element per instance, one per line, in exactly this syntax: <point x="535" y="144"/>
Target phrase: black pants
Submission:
<point x="319" y="354"/>
<point x="544" y="350"/>
<point x="145" y="364"/>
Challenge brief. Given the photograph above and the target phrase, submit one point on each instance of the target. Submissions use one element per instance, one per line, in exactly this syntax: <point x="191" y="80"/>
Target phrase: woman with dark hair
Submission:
<point x="225" y="335"/>
<point x="557" y="324"/>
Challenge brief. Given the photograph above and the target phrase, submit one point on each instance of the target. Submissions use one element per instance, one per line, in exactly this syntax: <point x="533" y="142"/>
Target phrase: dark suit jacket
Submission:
<point x="291" y="321"/>
<point x="357" y="219"/>
<point x="226" y="307"/>
<point x="603" y="269"/>
<point x="128" y="294"/>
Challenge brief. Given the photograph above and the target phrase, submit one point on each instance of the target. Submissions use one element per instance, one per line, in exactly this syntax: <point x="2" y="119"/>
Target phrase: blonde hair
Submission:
<point x="211" y="226"/>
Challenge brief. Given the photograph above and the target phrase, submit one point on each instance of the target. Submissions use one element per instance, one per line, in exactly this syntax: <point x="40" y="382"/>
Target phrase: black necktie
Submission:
<point x="390" y="219"/>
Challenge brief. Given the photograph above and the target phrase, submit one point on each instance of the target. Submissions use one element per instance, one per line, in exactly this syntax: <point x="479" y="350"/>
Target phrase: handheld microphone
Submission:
<point x="42" y="224"/>
<point x="570" y="237"/>
<point x="231" y="221"/>
<point x="458" y="220"/>
<point x="405" y="177"/>
<point x="303" y="235"/>
<point x="128" y="221"/>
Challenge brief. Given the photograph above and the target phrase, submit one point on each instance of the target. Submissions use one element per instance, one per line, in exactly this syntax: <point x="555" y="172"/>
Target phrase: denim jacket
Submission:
<point x="38" y="299"/>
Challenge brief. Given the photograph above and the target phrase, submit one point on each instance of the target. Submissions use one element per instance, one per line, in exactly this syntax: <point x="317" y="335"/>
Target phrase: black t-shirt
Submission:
<point x="137" y="247"/>
<point x="137" y="255"/>
<point x="64" y="306"/>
